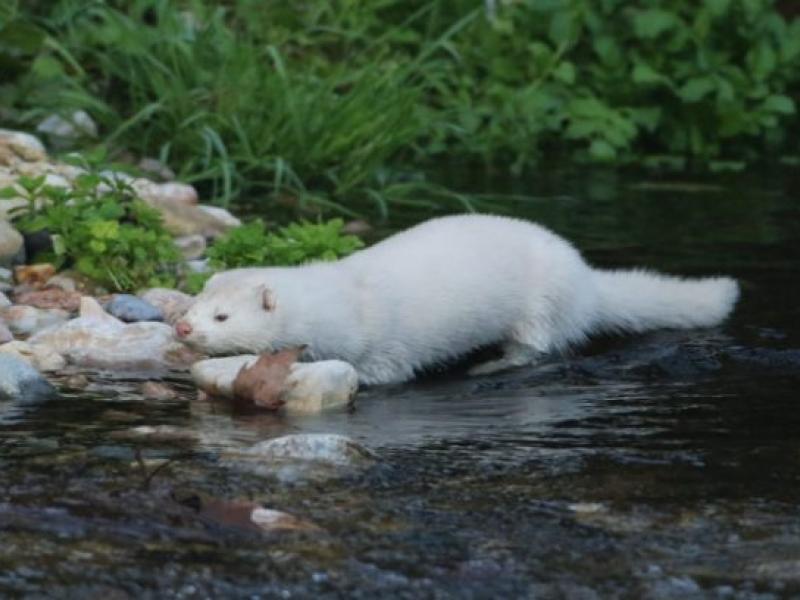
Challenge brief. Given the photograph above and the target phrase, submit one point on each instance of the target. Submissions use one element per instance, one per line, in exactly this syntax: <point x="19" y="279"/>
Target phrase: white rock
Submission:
<point x="24" y="145"/>
<point x="172" y="303"/>
<point x="222" y="215"/>
<point x="39" y="357"/>
<point x="78" y="124"/>
<point x="310" y="387"/>
<point x="5" y="332"/>
<point x="27" y="320"/>
<point x="153" y="166"/>
<point x="327" y="448"/>
<point x="4" y="301"/>
<point x="56" y="180"/>
<point x="97" y="340"/>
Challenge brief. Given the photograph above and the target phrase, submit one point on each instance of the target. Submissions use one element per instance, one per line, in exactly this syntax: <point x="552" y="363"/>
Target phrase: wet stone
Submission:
<point x="21" y="383"/>
<point x="172" y="303"/>
<point x="132" y="309"/>
<point x="27" y="320"/>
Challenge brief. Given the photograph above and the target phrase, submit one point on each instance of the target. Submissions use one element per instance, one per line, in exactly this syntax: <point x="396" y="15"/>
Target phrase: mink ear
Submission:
<point x="267" y="298"/>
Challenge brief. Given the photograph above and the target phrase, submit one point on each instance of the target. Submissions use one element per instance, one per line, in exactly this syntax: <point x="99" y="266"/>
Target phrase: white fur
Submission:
<point x="440" y="289"/>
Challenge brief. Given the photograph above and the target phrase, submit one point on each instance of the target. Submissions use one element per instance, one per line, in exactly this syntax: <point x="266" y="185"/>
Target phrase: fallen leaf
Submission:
<point x="263" y="383"/>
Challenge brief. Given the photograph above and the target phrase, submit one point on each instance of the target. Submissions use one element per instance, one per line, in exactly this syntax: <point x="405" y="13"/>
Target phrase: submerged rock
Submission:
<point x="27" y="320"/>
<point x="154" y="390"/>
<point x="327" y="448"/>
<point x="172" y="303"/>
<point x="99" y="340"/>
<point x="22" y="383"/>
<point x="39" y="357"/>
<point x="309" y="388"/>
<point x="133" y="309"/>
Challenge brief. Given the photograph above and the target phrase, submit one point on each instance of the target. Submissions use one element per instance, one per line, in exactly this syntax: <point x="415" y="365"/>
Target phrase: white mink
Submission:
<point x="437" y="291"/>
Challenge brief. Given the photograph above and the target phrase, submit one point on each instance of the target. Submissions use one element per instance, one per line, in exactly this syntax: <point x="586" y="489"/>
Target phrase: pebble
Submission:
<point x="132" y="309"/>
<point x="172" y="303"/>
<point x="191" y="247"/>
<point x="4" y="301"/>
<point x="34" y="275"/>
<point x="5" y="333"/>
<point x="22" y="383"/>
<point x="40" y="357"/>
<point x="22" y="145"/>
<point x="78" y="124"/>
<point x="51" y="298"/>
<point x="27" y="320"/>
<point x="154" y="390"/>
<point x="11" y="243"/>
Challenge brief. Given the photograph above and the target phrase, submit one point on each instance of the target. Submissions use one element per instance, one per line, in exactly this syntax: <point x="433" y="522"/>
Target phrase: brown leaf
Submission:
<point x="263" y="383"/>
<point x="34" y="274"/>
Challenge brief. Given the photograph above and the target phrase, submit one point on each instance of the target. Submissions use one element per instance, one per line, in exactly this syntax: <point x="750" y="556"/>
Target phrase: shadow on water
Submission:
<point x="655" y="466"/>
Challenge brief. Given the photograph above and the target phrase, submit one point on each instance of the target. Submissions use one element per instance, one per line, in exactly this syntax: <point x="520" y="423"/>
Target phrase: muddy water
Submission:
<point x="656" y="466"/>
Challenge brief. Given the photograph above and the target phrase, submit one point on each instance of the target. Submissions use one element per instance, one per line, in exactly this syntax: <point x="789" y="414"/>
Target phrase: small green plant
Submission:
<point x="298" y="243"/>
<point x="102" y="229"/>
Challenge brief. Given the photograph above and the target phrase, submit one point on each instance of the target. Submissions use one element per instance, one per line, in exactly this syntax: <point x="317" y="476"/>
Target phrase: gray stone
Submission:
<point x="5" y="333"/>
<point x="11" y="243"/>
<point x="27" y="320"/>
<point x="132" y="309"/>
<point x="78" y="124"/>
<point x="191" y="246"/>
<point x="327" y="448"/>
<point x="22" y="145"/>
<point x="172" y="303"/>
<point x="21" y="383"/>
<point x="39" y="357"/>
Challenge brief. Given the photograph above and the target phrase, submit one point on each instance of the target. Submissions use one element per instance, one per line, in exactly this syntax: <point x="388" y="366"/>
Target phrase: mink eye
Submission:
<point x="221" y="318"/>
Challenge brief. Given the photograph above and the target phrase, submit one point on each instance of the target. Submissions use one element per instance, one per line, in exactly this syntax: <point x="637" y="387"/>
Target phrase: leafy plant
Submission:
<point x="297" y="243"/>
<point x="102" y="230"/>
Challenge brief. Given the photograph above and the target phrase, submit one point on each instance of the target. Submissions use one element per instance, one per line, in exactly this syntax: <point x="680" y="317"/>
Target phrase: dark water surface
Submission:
<point x="657" y="466"/>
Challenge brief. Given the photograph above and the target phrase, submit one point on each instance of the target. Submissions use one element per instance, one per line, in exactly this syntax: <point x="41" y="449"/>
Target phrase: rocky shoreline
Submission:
<point x="49" y="320"/>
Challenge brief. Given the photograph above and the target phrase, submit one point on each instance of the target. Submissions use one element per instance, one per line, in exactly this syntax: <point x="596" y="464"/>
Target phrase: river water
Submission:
<point x="664" y="465"/>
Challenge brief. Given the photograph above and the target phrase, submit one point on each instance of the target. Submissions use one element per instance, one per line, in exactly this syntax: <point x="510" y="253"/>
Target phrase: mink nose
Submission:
<point x="182" y="328"/>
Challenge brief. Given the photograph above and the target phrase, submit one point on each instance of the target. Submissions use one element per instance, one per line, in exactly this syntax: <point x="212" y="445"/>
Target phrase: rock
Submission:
<point x="221" y="215"/>
<point x="59" y="129"/>
<point x="62" y="282"/>
<point x="326" y="448"/>
<point x="77" y="381"/>
<point x="21" y="145"/>
<point x="182" y="220"/>
<point x="172" y="303"/>
<point x="27" y="320"/>
<point x="262" y="383"/>
<point x="34" y="275"/>
<point x="21" y="382"/>
<point x="309" y="388"/>
<point x="157" y="433"/>
<point x="133" y="309"/>
<point x="11" y="243"/>
<point x="154" y="390"/>
<point x="268" y="519"/>
<point x="4" y="301"/>
<point x="199" y="266"/>
<point x="356" y="227"/>
<point x="157" y="169"/>
<point x="39" y="357"/>
<point x="319" y="386"/>
<point x="164" y="195"/>
<point x="51" y="298"/>
<point x="97" y="340"/>
<point x="191" y="246"/>
<point x="5" y="333"/>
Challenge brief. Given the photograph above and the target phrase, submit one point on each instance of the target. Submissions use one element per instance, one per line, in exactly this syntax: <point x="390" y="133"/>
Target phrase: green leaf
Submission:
<point x="697" y="88"/>
<point x="602" y="151"/>
<point x="778" y="103"/>
<point x="563" y="27"/>
<point x="645" y="74"/>
<point x="565" y="72"/>
<point x="8" y="192"/>
<point x="717" y="7"/>
<point x="650" y="23"/>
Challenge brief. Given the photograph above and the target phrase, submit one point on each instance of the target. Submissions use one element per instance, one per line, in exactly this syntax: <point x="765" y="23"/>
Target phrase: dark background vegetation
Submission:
<point x="346" y="105"/>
